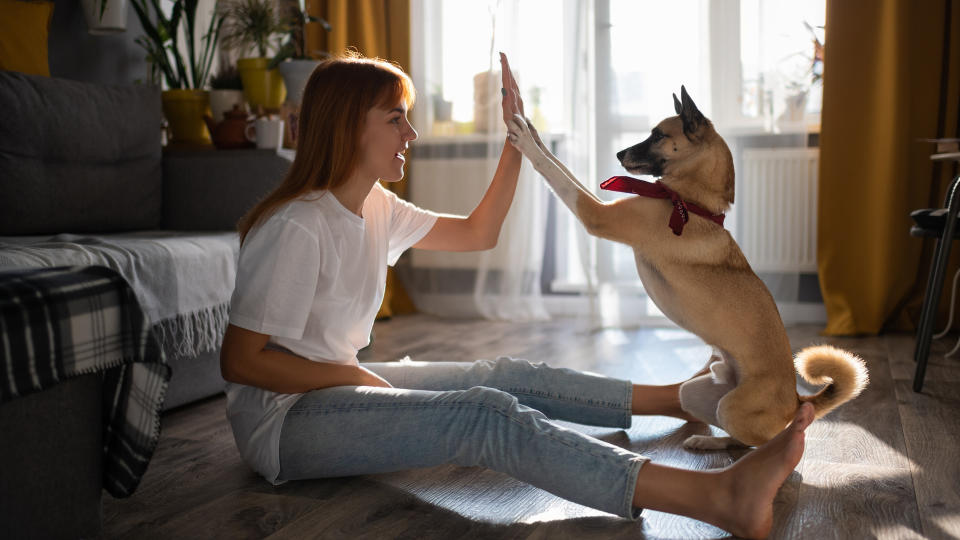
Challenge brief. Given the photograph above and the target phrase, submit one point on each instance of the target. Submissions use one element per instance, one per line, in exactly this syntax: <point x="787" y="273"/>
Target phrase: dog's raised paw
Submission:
<point x="707" y="442"/>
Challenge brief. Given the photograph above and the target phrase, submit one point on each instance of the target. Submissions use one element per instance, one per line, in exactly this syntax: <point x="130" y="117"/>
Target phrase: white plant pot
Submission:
<point x="295" y="75"/>
<point x="222" y="101"/>
<point x="113" y="21"/>
<point x="795" y="106"/>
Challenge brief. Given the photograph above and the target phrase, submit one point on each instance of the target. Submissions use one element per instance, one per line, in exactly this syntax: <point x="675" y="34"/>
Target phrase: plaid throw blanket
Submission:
<point x="56" y="323"/>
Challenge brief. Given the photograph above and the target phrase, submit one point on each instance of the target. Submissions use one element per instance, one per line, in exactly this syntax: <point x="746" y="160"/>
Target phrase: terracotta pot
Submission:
<point x="222" y="101"/>
<point x="262" y="87"/>
<point x="184" y="110"/>
<point x="232" y="132"/>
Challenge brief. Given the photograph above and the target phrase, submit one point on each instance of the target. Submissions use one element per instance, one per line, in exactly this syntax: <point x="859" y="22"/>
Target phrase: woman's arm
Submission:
<point x="244" y="360"/>
<point x="481" y="229"/>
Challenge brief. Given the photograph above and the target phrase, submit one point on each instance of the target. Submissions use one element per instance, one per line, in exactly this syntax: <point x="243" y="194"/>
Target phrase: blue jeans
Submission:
<point x="485" y="413"/>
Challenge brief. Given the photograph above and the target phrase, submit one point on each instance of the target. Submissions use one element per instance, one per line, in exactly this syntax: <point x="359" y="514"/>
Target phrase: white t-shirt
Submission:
<point x="312" y="276"/>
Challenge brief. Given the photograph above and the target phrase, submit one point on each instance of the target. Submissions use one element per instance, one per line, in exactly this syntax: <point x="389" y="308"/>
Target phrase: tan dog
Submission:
<point x="700" y="279"/>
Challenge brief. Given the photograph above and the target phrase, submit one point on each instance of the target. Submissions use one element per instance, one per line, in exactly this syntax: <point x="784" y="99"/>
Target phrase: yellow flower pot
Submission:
<point x="184" y="110"/>
<point x="261" y="87"/>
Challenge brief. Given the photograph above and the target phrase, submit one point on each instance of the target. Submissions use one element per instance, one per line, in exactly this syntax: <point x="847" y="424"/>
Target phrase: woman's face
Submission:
<point x="384" y="141"/>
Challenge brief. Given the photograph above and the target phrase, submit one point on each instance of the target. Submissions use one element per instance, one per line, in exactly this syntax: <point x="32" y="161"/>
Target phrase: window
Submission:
<point x="456" y="42"/>
<point x="600" y="73"/>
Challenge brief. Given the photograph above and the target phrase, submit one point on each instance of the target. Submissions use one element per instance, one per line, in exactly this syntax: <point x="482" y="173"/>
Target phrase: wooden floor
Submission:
<point x="882" y="466"/>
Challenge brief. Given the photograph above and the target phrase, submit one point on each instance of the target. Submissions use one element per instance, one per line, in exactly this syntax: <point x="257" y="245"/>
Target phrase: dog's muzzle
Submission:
<point x="637" y="158"/>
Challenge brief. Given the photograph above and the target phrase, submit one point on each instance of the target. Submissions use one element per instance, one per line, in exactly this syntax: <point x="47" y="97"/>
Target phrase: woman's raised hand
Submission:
<point x="512" y="102"/>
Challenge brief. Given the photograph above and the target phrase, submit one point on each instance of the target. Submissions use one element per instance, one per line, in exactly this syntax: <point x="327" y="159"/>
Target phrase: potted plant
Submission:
<point x="185" y="72"/>
<point x="798" y="90"/>
<point x="226" y="90"/>
<point x="292" y="59"/>
<point x="105" y="16"/>
<point x="253" y="25"/>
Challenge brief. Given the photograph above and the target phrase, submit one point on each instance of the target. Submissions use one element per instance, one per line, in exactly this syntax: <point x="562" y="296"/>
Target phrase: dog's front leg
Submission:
<point x="556" y="160"/>
<point x="563" y="183"/>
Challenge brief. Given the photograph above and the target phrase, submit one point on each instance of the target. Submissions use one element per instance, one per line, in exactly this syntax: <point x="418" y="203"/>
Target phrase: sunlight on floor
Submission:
<point x="559" y="512"/>
<point x="901" y="532"/>
<point x="609" y="306"/>
<point x="614" y="336"/>
<point x="826" y="431"/>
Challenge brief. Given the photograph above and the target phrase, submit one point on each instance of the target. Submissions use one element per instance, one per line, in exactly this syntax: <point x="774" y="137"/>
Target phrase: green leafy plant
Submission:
<point x="250" y="24"/>
<point x="228" y="78"/>
<point x="294" y="44"/>
<point x="180" y="69"/>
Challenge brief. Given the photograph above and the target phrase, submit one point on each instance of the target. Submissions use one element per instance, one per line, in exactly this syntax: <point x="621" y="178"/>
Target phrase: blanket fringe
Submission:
<point x="191" y="334"/>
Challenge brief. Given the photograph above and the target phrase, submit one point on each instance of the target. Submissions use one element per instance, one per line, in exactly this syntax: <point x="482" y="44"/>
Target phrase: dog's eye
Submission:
<point x="657" y="135"/>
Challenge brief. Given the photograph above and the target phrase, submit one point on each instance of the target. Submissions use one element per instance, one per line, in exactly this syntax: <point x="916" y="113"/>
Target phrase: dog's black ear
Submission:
<point x="690" y="115"/>
<point x="676" y="105"/>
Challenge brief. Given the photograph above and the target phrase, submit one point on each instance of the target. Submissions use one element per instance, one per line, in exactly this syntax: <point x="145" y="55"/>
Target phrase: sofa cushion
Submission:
<point x="78" y="157"/>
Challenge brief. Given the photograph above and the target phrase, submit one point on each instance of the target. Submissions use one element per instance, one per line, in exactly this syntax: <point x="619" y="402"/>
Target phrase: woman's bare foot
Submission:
<point x="753" y="481"/>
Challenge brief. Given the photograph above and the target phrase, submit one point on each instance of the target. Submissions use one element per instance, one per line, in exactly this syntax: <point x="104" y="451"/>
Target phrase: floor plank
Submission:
<point x="931" y="425"/>
<point x="881" y="466"/>
<point x="932" y="428"/>
<point x="846" y="501"/>
<point x="939" y="368"/>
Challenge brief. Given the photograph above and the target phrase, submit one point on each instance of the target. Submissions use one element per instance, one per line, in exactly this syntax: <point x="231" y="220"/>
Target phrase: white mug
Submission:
<point x="269" y="132"/>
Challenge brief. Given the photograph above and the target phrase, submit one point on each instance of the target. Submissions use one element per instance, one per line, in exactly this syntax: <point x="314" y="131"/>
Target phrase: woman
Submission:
<point x="310" y="279"/>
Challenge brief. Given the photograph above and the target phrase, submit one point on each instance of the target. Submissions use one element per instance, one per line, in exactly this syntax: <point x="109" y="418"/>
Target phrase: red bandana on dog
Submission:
<point x="657" y="190"/>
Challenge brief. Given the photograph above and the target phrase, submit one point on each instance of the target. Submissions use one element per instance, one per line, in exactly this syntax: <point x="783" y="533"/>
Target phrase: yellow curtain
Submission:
<point x="375" y="28"/>
<point x="886" y="83"/>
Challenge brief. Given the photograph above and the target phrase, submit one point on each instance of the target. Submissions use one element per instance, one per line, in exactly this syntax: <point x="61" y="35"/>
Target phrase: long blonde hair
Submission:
<point x="336" y="99"/>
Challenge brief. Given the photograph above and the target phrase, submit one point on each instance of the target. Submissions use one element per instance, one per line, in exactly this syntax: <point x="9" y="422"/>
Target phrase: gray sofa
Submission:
<point x="84" y="180"/>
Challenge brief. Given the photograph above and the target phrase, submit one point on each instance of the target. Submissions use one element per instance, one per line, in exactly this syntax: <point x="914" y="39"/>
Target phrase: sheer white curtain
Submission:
<point x="596" y="76"/>
<point x="455" y="66"/>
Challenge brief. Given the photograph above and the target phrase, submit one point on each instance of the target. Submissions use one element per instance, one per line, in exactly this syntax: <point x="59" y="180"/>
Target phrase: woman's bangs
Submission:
<point x="401" y="89"/>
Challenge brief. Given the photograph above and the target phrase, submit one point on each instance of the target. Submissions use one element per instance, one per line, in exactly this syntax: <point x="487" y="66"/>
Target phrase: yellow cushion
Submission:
<point x="24" y="27"/>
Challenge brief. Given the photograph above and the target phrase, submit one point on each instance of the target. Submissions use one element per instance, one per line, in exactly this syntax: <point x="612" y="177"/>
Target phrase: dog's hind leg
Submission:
<point x="755" y="413"/>
<point x="700" y="396"/>
<point x="707" y="442"/>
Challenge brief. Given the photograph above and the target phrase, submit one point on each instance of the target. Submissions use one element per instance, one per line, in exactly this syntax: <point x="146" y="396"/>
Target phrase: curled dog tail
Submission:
<point x="844" y="373"/>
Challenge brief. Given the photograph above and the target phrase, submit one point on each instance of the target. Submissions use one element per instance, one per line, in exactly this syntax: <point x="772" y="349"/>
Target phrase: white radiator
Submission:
<point x="777" y="203"/>
<point x="452" y="177"/>
<point x="451" y="186"/>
